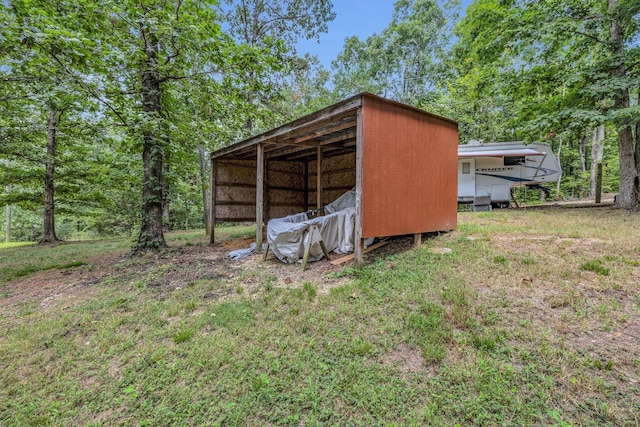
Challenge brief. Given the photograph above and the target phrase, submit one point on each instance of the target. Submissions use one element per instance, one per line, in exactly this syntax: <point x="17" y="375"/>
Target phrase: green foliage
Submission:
<point x="403" y="62"/>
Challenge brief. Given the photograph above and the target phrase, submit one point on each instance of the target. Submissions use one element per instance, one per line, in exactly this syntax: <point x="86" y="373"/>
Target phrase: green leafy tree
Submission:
<point x="37" y="48"/>
<point x="403" y="62"/>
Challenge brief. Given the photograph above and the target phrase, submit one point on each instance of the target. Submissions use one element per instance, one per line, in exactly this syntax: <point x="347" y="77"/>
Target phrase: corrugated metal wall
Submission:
<point x="409" y="171"/>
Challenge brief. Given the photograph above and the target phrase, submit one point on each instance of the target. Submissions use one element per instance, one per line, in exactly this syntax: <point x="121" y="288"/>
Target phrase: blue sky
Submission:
<point x="360" y="18"/>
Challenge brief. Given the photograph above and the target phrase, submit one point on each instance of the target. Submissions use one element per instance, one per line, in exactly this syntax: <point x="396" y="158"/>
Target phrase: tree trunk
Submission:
<point x="638" y="140"/>
<point x="559" y="162"/>
<point x="629" y="194"/>
<point x="597" y="149"/>
<point x="583" y="153"/>
<point x="204" y="179"/>
<point x="186" y="215"/>
<point x="166" y="218"/>
<point x="7" y="235"/>
<point x="151" y="236"/>
<point x="48" y="219"/>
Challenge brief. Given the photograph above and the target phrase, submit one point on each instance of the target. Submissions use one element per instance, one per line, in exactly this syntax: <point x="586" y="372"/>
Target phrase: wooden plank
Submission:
<point x="349" y="257"/>
<point x="417" y="240"/>
<point x="278" y="151"/>
<point x="259" y="196"/>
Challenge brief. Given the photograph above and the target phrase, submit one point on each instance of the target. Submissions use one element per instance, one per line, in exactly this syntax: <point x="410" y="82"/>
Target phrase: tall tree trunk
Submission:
<point x="638" y="139"/>
<point x="48" y="219"/>
<point x="186" y="215"/>
<point x="629" y="193"/>
<point x="151" y="236"/>
<point x="204" y="179"/>
<point x="582" y="144"/>
<point x="166" y="219"/>
<point x="560" y="162"/>
<point x="7" y="235"/>
<point x="597" y="150"/>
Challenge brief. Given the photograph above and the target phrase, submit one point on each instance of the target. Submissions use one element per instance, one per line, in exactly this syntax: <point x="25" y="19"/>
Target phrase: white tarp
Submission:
<point x="286" y="236"/>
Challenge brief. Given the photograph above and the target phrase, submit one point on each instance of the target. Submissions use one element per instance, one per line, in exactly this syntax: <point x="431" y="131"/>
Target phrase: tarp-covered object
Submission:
<point x="286" y="236"/>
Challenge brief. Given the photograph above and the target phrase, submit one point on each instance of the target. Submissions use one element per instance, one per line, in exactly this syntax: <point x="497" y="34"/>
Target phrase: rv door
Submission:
<point x="466" y="180"/>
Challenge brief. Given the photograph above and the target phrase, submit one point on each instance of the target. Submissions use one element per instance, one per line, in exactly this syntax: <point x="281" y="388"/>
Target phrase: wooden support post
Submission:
<point x="599" y="183"/>
<point x="417" y="240"/>
<point x="259" y="196"/>
<point x="357" y="238"/>
<point x="319" y="179"/>
<point x="265" y="194"/>
<point x="212" y="205"/>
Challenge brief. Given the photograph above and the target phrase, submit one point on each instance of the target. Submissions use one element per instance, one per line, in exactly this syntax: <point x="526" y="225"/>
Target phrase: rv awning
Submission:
<point x="500" y="153"/>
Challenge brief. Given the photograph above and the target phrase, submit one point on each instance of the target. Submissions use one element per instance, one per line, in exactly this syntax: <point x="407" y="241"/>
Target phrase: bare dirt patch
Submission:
<point x="408" y="360"/>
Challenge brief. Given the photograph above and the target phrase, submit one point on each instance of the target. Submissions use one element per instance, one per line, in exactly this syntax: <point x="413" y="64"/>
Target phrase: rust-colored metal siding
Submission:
<point x="409" y="176"/>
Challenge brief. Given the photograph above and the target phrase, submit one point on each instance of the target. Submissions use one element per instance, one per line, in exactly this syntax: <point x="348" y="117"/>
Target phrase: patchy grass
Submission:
<point x="21" y="261"/>
<point x="506" y="330"/>
<point x="5" y="245"/>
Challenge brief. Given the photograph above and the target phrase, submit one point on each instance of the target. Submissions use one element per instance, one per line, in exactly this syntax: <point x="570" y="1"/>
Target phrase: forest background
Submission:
<point x="108" y="110"/>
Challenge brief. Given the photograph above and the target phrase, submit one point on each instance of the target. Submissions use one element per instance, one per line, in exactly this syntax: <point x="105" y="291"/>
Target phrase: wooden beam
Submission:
<point x="259" y="196"/>
<point x="417" y="240"/>
<point x="358" y="240"/>
<point x="351" y="256"/>
<point x="326" y="152"/>
<point x="319" y="179"/>
<point x="331" y="128"/>
<point x="279" y="150"/>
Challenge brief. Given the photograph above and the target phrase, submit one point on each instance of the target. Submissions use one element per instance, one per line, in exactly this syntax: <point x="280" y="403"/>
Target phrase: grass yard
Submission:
<point x="533" y="319"/>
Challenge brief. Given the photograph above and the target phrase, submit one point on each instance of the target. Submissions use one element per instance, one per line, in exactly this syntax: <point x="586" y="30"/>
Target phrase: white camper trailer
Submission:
<point x="486" y="172"/>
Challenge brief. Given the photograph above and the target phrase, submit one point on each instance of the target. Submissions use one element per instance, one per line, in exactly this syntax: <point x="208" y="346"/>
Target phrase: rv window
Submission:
<point x="513" y="161"/>
<point x="466" y="168"/>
